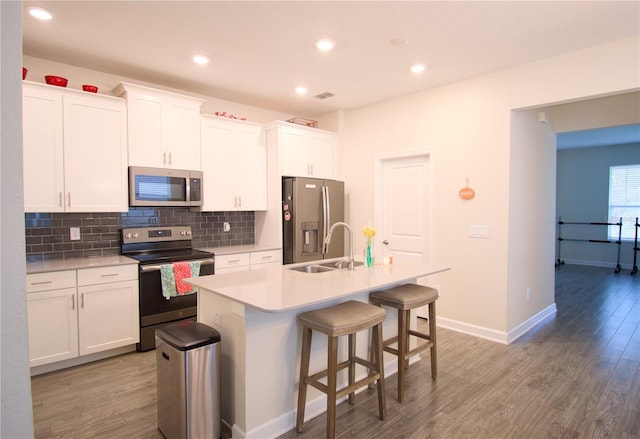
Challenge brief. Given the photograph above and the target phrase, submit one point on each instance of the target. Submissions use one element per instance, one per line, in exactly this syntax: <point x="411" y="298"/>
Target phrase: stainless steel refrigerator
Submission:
<point x="309" y="207"/>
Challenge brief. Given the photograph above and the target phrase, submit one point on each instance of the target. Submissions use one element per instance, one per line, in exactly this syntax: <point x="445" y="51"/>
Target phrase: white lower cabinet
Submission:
<point x="266" y="258"/>
<point x="108" y="308"/>
<point x="97" y="313"/>
<point x="247" y="261"/>
<point x="234" y="262"/>
<point x="53" y="326"/>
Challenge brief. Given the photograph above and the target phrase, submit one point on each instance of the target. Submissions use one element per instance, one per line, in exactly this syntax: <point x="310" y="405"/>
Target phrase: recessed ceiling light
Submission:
<point x="398" y="41"/>
<point x="417" y="68"/>
<point x="325" y="44"/>
<point x="301" y="90"/>
<point x="40" y="13"/>
<point x="200" y="59"/>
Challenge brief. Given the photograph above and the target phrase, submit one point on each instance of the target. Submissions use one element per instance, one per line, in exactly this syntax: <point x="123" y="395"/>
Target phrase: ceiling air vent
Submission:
<point x="324" y="95"/>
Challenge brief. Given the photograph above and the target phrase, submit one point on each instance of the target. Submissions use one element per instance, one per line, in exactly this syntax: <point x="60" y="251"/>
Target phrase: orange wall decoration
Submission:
<point x="467" y="193"/>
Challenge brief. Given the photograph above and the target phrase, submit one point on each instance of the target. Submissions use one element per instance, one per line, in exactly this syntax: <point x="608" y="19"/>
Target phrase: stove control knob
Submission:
<point x="183" y="233"/>
<point x="188" y="232"/>
<point x="127" y="235"/>
<point x="135" y="235"/>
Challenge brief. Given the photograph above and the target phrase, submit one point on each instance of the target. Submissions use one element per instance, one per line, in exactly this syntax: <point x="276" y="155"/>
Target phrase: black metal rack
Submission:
<point x="601" y="241"/>
<point x="634" y="270"/>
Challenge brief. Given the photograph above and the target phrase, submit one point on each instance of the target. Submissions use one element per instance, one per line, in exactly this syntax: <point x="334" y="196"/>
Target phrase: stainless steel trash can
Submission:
<point x="188" y="381"/>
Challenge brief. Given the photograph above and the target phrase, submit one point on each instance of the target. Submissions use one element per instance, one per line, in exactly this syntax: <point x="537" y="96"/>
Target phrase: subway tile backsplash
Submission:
<point x="47" y="234"/>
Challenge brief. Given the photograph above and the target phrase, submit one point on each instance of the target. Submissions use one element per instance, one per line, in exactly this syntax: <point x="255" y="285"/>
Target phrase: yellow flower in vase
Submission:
<point x="369" y="232"/>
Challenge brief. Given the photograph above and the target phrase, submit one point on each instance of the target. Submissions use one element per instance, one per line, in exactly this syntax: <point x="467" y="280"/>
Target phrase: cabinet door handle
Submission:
<point x="235" y="201"/>
<point x="69" y="199"/>
<point x="42" y="283"/>
<point x="82" y="300"/>
<point x="73" y="302"/>
<point x="239" y="201"/>
<point x="267" y="257"/>
<point x="109" y="275"/>
<point x="234" y="261"/>
<point x="169" y="157"/>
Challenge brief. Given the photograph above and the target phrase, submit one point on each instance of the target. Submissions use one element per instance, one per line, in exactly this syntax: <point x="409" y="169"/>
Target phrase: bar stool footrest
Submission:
<point x="314" y="380"/>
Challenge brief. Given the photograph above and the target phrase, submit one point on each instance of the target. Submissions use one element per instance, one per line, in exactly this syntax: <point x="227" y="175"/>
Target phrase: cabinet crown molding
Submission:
<point x="125" y="87"/>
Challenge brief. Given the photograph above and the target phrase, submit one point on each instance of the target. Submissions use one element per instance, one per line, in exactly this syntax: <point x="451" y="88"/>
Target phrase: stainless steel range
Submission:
<point x="154" y="247"/>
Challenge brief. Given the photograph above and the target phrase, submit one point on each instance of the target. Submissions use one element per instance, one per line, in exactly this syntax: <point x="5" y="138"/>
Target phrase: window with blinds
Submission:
<point x="624" y="199"/>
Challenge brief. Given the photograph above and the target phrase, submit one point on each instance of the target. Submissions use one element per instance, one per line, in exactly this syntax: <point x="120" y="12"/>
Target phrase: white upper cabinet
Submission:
<point x="164" y="127"/>
<point x="43" y="160"/>
<point x="75" y="151"/>
<point x="234" y="163"/>
<point x="95" y="155"/>
<point x="304" y="152"/>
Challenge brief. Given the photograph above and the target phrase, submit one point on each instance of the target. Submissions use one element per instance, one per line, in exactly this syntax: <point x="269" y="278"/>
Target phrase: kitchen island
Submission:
<point x="256" y="313"/>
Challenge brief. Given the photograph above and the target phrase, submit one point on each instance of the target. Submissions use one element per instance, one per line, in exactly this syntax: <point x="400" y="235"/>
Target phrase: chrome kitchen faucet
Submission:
<point x="325" y="246"/>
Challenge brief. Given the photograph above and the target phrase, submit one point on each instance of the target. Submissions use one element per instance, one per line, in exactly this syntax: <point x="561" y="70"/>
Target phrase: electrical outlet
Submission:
<point x="226" y="227"/>
<point x="74" y="233"/>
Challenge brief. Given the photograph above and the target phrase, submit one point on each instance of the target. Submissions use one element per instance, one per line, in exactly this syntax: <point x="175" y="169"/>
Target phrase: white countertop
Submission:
<point x="278" y="288"/>
<point x="235" y="249"/>
<point x="78" y="263"/>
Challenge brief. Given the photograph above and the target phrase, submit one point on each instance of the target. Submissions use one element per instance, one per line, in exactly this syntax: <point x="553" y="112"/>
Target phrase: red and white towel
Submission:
<point x="181" y="271"/>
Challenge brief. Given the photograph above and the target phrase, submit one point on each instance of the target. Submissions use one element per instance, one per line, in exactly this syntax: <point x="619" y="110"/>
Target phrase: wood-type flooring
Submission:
<point x="576" y="375"/>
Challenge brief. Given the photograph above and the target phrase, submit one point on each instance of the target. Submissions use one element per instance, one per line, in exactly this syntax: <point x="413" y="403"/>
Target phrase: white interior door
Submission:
<point x="403" y="200"/>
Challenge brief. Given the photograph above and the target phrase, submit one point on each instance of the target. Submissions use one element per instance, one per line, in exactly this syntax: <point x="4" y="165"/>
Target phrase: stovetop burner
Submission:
<point x="151" y="245"/>
<point x="170" y="256"/>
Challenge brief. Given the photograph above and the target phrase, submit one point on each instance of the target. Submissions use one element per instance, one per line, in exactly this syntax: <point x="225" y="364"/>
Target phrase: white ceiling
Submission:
<point x="261" y="50"/>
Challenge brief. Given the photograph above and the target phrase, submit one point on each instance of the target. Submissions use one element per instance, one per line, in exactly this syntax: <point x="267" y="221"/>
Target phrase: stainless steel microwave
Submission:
<point x="160" y="187"/>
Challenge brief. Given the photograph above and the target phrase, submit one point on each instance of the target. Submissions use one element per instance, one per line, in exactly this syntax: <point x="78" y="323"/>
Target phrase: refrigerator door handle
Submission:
<point x="325" y="215"/>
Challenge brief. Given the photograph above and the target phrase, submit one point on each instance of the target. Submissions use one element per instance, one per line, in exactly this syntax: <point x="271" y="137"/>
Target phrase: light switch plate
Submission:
<point x="74" y="233"/>
<point x="479" y="232"/>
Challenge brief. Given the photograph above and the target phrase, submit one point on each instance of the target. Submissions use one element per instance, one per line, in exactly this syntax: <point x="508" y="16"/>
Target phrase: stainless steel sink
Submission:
<point x="322" y="268"/>
<point x="312" y="269"/>
<point x="344" y="266"/>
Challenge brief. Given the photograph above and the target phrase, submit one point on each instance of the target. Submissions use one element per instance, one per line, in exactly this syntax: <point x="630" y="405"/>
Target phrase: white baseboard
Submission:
<point x="52" y="367"/>
<point x="525" y="326"/>
<point x="494" y="335"/>
<point x="476" y="331"/>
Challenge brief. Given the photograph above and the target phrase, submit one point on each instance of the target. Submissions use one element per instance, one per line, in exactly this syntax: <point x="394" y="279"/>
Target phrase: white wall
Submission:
<point x="467" y="127"/>
<point x="607" y="111"/>
<point x="532" y="191"/>
<point x="16" y="419"/>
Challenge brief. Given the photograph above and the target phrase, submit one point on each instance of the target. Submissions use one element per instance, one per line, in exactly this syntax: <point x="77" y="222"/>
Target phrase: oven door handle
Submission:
<point x="147" y="268"/>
